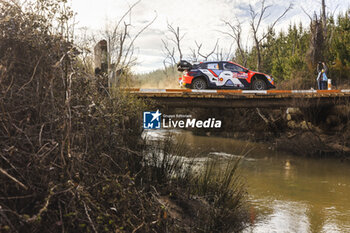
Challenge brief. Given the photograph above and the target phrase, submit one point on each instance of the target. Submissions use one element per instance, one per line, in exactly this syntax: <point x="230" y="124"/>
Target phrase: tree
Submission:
<point x="256" y="18"/>
<point x="173" y="50"/>
<point x="236" y="34"/>
<point x="207" y="55"/>
<point x="121" y="42"/>
<point x="318" y="38"/>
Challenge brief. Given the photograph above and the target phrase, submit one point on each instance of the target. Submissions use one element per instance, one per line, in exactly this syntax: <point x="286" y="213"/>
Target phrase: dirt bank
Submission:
<point x="305" y="132"/>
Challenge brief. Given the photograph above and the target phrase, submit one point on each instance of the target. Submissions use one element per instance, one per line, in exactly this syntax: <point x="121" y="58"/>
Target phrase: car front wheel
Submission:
<point x="259" y="84"/>
<point x="199" y="84"/>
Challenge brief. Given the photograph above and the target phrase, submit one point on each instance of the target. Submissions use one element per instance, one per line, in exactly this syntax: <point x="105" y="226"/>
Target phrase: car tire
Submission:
<point x="199" y="84"/>
<point x="259" y="84"/>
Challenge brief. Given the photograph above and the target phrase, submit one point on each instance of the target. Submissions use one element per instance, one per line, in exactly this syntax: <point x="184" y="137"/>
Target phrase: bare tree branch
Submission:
<point x="236" y="34"/>
<point x="306" y="13"/>
<point x="136" y="36"/>
<point x="121" y="42"/>
<point x="170" y="53"/>
<point x="177" y="38"/>
<point x="256" y="18"/>
<point x="199" y="46"/>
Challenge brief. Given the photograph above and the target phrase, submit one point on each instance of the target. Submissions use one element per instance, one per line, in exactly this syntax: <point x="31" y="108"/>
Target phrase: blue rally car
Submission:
<point x="222" y="75"/>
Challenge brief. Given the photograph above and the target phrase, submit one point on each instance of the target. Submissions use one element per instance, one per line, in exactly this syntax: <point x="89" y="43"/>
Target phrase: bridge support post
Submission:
<point x="101" y="57"/>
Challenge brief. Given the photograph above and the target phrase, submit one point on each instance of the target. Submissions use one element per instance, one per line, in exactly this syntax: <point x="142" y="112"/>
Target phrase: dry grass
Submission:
<point x="71" y="155"/>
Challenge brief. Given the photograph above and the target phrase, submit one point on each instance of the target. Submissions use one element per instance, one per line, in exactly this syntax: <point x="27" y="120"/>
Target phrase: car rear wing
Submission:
<point x="183" y="65"/>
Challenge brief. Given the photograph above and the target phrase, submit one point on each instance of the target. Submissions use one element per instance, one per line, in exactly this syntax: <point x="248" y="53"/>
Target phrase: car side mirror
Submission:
<point x="246" y="71"/>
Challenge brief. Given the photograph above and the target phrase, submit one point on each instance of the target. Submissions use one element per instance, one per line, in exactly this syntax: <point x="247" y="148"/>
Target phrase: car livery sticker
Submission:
<point x="242" y="75"/>
<point x="229" y="78"/>
<point x="216" y="74"/>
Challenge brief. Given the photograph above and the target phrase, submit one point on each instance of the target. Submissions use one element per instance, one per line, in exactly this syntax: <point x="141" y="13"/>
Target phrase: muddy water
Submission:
<point x="288" y="193"/>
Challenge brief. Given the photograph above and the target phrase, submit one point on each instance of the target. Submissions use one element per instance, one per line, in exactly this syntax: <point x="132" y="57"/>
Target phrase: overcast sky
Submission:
<point x="201" y="20"/>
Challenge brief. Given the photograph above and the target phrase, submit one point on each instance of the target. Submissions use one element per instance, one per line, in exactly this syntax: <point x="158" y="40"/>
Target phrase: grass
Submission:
<point x="216" y="186"/>
<point x="221" y="185"/>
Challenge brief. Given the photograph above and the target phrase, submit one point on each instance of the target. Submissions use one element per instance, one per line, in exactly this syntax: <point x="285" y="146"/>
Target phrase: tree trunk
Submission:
<point x="258" y="62"/>
<point x="324" y="19"/>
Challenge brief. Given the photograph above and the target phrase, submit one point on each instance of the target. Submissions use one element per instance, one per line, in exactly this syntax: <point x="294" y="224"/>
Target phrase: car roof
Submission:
<point x="218" y="62"/>
<point x="205" y="62"/>
<point x="213" y="61"/>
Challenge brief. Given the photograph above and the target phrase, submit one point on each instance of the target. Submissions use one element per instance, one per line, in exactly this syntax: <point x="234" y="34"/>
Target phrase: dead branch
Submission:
<point x="262" y="116"/>
<point x="88" y="216"/>
<point x="13" y="178"/>
<point x="169" y="53"/>
<point x="177" y="38"/>
<point x="236" y="35"/>
<point x="32" y="77"/>
<point x="130" y="48"/>
<point x="256" y="18"/>
<point x="206" y="56"/>
<point x="115" y="31"/>
<point x="121" y="44"/>
<point x="138" y="228"/>
<point x="44" y="208"/>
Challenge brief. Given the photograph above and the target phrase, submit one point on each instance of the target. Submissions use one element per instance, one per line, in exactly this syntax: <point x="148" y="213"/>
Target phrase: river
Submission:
<point x="287" y="193"/>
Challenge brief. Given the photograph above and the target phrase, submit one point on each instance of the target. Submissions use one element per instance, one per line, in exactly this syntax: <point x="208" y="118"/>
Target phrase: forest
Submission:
<point x="290" y="55"/>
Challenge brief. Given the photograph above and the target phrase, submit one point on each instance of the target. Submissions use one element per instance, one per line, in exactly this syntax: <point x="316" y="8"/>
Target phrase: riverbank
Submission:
<point x="286" y="193"/>
<point x="303" y="132"/>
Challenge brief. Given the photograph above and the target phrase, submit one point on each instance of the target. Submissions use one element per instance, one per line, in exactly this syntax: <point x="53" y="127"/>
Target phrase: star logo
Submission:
<point x="151" y="120"/>
<point x="156" y="115"/>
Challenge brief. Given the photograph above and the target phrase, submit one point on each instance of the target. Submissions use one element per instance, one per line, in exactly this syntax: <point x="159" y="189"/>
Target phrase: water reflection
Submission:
<point x="288" y="193"/>
<point x="283" y="216"/>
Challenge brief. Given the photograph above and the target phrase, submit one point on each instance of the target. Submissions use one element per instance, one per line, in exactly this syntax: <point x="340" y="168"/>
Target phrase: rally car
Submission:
<point x="222" y="75"/>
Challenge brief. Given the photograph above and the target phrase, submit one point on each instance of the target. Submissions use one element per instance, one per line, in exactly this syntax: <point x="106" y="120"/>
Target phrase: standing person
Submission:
<point x="322" y="76"/>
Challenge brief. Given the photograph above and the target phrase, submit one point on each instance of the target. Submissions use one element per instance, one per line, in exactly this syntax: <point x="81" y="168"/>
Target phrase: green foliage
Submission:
<point x="340" y="47"/>
<point x="284" y="55"/>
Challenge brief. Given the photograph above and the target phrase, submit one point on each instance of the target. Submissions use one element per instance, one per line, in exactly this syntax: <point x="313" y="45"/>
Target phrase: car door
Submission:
<point x="230" y="75"/>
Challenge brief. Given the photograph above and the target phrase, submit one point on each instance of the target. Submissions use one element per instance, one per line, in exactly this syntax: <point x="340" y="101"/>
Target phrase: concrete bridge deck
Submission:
<point x="188" y="98"/>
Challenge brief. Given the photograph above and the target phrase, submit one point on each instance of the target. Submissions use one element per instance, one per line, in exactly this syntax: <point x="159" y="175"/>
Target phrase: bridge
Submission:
<point x="189" y="98"/>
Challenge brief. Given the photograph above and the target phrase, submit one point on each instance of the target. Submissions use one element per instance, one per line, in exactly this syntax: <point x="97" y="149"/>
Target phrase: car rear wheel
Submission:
<point x="259" y="84"/>
<point x="199" y="84"/>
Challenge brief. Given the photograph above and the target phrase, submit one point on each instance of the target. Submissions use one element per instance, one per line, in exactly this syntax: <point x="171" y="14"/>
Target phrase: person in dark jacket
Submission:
<point x="322" y="78"/>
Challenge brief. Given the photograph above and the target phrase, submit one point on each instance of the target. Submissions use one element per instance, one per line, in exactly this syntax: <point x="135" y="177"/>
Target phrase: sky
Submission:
<point x="199" y="20"/>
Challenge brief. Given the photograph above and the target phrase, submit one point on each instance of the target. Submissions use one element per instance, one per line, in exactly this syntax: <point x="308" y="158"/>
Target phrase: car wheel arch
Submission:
<point x="201" y="77"/>
<point x="257" y="77"/>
